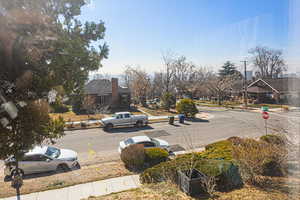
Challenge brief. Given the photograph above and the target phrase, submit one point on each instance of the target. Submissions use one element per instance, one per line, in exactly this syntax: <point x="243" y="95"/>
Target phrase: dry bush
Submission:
<point x="257" y="158"/>
<point x="133" y="156"/>
<point x="209" y="184"/>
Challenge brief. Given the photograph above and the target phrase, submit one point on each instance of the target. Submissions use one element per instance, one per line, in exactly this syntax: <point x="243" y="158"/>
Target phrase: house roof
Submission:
<point x="279" y="85"/>
<point x="101" y="87"/>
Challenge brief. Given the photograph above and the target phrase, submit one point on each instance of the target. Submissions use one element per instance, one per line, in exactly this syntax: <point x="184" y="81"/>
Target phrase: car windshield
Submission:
<point x="128" y="141"/>
<point x="53" y="152"/>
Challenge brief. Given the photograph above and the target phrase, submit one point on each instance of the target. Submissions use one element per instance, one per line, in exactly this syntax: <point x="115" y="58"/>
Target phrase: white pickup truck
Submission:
<point x="124" y="119"/>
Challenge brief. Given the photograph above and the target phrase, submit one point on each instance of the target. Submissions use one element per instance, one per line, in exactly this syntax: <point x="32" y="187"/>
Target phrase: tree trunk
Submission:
<point x="219" y="100"/>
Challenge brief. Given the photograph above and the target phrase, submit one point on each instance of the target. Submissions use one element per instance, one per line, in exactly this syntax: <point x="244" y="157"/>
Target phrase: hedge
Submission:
<point x="225" y="172"/>
<point x="136" y="157"/>
<point x="154" y="156"/>
<point x="218" y="150"/>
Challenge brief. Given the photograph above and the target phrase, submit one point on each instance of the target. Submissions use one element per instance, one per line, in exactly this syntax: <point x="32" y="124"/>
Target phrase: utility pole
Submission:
<point x="245" y="83"/>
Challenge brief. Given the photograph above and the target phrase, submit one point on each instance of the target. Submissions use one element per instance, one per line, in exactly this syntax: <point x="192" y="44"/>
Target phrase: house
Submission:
<point x="276" y="90"/>
<point x="103" y="94"/>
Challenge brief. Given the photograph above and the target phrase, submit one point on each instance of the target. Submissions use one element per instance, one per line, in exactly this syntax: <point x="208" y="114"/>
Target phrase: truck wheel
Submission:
<point x="108" y="127"/>
<point x="139" y="124"/>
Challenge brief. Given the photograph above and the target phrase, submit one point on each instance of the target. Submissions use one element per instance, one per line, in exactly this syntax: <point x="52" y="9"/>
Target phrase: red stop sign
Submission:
<point x="265" y="115"/>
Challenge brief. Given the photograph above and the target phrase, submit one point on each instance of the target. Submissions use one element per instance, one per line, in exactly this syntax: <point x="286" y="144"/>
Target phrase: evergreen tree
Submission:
<point x="228" y="68"/>
<point x="42" y="47"/>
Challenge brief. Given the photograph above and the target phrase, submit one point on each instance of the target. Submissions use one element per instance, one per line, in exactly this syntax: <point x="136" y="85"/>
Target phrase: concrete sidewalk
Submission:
<point x="86" y="190"/>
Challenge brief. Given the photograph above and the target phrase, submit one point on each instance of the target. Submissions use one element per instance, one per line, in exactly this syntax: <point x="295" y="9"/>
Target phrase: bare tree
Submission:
<point x="157" y="83"/>
<point x="268" y="62"/>
<point x="198" y="82"/>
<point x="139" y="83"/>
<point x="127" y="76"/>
<point x="168" y="72"/>
<point x="220" y="87"/>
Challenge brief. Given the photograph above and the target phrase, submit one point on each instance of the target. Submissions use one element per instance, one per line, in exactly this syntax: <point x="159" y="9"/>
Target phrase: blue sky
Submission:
<point x="207" y="32"/>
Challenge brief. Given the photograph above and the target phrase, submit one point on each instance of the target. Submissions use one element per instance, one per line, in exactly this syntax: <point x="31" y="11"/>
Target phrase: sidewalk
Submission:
<point x="78" y="192"/>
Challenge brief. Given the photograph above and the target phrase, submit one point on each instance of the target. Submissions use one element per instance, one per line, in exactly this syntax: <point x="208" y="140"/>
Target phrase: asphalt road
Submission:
<point x="95" y="145"/>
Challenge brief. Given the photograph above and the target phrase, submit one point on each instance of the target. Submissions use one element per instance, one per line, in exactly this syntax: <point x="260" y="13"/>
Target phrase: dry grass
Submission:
<point x="279" y="189"/>
<point x="54" y="181"/>
<point x="160" y="191"/>
<point x="71" y="116"/>
<point x="158" y="112"/>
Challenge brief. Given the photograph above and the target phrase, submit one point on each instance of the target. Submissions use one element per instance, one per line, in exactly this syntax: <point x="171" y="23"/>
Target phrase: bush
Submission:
<point x="235" y="140"/>
<point x="59" y="108"/>
<point x="168" y="100"/>
<point x="154" y="156"/>
<point x="285" y="108"/>
<point x="272" y="168"/>
<point x="225" y="172"/>
<point x="218" y="150"/>
<point x="274" y="139"/>
<point x="256" y="158"/>
<point x="133" y="157"/>
<point x="187" y="107"/>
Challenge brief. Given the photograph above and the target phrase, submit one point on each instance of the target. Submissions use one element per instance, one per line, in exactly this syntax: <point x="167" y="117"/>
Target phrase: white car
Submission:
<point x="146" y="141"/>
<point x="124" y="119"/>
<point x="43" y="159"/>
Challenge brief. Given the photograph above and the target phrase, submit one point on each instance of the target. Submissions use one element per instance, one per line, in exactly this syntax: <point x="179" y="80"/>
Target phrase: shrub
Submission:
<point x="274" y="139"/>
<point x="257" y="158"/>
<point x="133" y="157"/>
<point x="154" y="156"/>
<point x="187" y="107"/>
<point x="225" y="172"/>
<point x="235" y="140"/>
<point x="272" y="168"/>
<point x="218" y="150"/>
<point x="59" y="108"/>
<point x="285" y="108"/>
<point x="168" y="100"/>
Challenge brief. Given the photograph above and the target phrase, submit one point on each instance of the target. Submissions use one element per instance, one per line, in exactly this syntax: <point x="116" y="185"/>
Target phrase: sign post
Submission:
<point x="265" y="116"/>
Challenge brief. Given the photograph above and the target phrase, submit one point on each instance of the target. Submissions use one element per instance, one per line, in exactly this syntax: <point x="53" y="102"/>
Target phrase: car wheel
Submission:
<point x="108" y="127"/>
<point x="13" y="171"/>
<point x="78" y="165"/>
<point x="139" y="124"/>
<point x="7" y="178"/>
<point x="62" y="168"/>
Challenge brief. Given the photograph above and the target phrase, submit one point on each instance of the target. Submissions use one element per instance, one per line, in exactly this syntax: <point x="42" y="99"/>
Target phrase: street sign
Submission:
<point x="265" y="108"/>
<point x="265" y="115"/>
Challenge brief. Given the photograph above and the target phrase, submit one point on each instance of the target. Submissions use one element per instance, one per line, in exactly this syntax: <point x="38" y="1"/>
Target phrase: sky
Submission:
<point x="207" y="32"/>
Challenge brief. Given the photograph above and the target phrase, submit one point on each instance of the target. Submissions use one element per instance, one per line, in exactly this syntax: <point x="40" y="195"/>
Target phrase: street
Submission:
<point x="96" y="145"/>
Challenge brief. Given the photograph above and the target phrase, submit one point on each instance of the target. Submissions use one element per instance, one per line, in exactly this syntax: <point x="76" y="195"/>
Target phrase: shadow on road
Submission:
<point x="197" y="120"/>
<point x="130" y="129"/>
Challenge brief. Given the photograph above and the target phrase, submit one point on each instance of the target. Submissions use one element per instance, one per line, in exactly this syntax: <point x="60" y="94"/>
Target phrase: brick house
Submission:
<point x="102" y="95"/>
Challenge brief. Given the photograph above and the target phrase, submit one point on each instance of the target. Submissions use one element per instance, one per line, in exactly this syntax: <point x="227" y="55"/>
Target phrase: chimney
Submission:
<point x="114" y="92"/>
